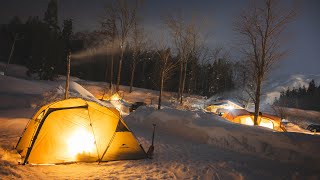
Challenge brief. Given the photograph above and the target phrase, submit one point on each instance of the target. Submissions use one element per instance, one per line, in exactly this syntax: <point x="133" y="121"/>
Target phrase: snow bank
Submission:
<point x="210" y="129"/>
<point x="185" y="141"/>
<point x="21" y="93"/>
<point x="14" y="70"/>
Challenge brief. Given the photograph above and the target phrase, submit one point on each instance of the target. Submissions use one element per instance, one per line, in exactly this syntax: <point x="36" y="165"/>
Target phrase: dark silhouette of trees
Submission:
<point x="138" y="46"/>
<point x="51" y="15"/>
<point x="302" y="97"/>
<point x="67" y="34"/>
<point x="185" y="37"/>
<point x="118" y="22"/>
<point x="43" y="48"/>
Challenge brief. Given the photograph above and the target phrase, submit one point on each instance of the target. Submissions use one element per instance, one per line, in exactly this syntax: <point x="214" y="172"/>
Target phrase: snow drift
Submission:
<point x="211" y="129"/>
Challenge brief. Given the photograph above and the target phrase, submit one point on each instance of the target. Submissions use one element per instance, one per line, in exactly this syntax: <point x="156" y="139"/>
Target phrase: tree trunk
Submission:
<point x="180" y="79"/>
<point x="257" y="102"/>
<point x="11" y="53"/>
<point x="66" y="96"/>
<point x="119" y="69"/>
<point x="161" y="87"/>
<point x="111" y="72"/>
<point x="143" y="75"/>
<point x="106" y="71"/>
<point x="132" y="77"/>
<point x="184" y="81"/>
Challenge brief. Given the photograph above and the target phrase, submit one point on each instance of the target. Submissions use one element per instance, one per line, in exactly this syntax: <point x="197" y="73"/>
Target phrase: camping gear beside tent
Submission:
<point x="243" y="116"/>
<point x="75" y="130"/>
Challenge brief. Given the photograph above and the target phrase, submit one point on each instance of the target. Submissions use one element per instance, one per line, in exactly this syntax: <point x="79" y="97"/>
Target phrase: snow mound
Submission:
<point x="213" y="130"/>
<point x="14" y="70"/>
<point x="21" y="93"/>
<point x="75" y="90"/>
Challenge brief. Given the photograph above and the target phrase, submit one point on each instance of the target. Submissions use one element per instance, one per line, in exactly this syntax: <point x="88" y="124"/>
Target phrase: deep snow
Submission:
<point x="189" y="143"/>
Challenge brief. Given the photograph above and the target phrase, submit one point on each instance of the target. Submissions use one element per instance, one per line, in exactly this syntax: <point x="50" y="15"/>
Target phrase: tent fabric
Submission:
<point x="75" y="130"/>
<point x="243" y="116"/>
<point x="222" y="106"/>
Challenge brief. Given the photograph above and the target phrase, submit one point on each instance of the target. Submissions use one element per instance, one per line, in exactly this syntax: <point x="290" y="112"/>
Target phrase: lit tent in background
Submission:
<point x="243" y="116"/>
<point x="75" y="130"/>
<point x="222" y="106"/>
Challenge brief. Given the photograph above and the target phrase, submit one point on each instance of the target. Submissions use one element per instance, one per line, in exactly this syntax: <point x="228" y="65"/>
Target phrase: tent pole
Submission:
<point x="105" y="151"/>
<point x="95" y="140"/>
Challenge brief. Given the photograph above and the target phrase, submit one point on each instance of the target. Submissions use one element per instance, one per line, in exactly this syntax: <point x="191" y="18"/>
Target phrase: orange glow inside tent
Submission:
<point x="242" y="116"/>
<point x="80" y="142"/>
<point x="115" y="97"/>
<point x="75" y="130"/>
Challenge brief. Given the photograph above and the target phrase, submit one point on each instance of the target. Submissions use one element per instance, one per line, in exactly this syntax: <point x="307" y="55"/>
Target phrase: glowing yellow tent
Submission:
<point x="245" y="117"/>
<point x="75" y="130"/>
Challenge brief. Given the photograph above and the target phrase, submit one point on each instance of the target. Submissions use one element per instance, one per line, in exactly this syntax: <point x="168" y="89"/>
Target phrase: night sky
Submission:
<point x="216" y="15"/>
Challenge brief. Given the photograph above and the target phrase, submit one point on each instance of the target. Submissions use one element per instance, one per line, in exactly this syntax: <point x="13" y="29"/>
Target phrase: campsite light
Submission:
<point x="248" y="121"/>
<point x="229" y="107"/>
<point x="266" y="123"/>
<point x="80" y="142"/>
<point x="115" y="97"/>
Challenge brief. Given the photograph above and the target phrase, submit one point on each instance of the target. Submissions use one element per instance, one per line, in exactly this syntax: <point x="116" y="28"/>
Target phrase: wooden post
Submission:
<point x="68" y="75"/>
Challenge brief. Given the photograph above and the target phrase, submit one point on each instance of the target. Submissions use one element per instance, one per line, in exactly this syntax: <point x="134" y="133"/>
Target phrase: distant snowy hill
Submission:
<point x="273" y="87"/>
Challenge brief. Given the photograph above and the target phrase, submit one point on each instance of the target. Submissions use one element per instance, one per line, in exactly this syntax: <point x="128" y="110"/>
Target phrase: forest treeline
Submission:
<point x="307" y="98"/>
<point x="120" y="51"/>
<point x="40" y="44"/>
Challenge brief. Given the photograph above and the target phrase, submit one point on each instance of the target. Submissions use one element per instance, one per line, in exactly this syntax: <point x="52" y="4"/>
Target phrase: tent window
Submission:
<point x="121" y="127"/>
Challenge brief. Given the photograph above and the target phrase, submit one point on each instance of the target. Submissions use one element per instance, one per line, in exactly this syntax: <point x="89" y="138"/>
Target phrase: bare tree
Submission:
<point x="118" y="22"/>
<point x="204" y="58"/>
<point x="166" y="66"/>
<point x="185" y="39"/>
<point x="108" y="29"/>
<point x="139" y="44"/>
<point x="176" y="25"/>
<point x="261" y="27"/>
<point x="16" y="38"/>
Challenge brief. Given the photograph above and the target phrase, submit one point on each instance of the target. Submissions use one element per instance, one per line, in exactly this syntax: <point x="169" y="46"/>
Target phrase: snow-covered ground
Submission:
<point x="189" y="143"/>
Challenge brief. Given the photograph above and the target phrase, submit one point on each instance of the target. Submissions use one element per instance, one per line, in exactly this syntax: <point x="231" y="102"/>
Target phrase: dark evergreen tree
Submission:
<point x="51" y="15"/>
<point x="303" y="98"/>
<point x="67" y="33"/>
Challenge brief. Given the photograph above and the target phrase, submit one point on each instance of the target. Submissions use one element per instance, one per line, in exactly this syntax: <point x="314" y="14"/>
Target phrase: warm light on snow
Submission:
<point x="115" y="97"/>
<point x="247" y="121"/>
<point x="80" y="142"/>
<point x="266" y="123"/>
<point x="229" y="107"/>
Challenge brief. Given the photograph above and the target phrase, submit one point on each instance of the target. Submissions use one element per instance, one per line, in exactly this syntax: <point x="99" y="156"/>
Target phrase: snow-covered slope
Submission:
<point x="211" y="129"/>
<point x="189" y="144"/>
<point x="271" y="88"/>
<point x="22" y="93"/>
